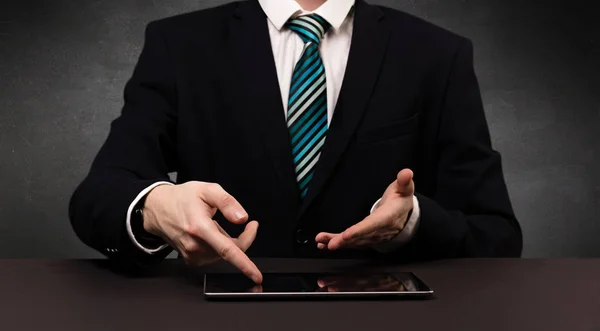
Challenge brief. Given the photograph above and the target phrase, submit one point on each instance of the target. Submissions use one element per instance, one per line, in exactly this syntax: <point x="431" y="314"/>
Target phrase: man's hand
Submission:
<point x="182" y="215"/>
<point x="386" y="221"/>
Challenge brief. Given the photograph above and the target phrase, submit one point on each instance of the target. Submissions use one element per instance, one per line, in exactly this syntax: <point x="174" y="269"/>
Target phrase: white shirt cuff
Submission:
<point x="410" y="228"/>
<point x="128" y="221"/>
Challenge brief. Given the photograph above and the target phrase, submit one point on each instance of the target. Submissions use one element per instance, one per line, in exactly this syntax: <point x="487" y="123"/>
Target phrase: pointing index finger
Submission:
<point x="231" y="253"/>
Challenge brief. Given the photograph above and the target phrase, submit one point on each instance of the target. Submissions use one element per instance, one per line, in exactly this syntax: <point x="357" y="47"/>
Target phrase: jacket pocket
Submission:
<point x="388" y="131"/>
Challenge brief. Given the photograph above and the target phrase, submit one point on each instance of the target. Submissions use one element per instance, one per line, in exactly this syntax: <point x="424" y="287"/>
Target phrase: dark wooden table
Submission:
<point x="471" y="294"/>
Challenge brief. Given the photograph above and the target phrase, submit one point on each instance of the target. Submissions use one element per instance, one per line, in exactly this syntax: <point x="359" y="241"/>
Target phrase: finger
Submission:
<point x="320" y="246"/>
<point x="256" y="289"/>
<point x="390" y="190"/>
<point x="336" y="242"/>
<point x="215" y="196"/>
<point x="231" y="253"/>
<point x="246" y="238"/>
<point x="405" y="185"/>
<point x="324" y="237"/>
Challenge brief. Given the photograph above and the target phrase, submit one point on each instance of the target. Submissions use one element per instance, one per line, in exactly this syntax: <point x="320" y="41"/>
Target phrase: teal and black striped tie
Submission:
<point x="307" y="104"/>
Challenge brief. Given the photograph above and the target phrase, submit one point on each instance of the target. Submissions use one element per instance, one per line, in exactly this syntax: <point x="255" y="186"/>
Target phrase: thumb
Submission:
<point x="404" y="183"/>
<point x="216" y="197"/>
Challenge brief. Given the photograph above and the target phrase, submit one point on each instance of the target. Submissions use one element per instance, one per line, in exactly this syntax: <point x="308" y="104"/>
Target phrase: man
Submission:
<point x="345" y="129"/>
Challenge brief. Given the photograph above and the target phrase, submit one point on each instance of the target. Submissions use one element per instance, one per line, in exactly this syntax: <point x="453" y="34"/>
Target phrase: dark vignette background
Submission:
<point x="64" y="63"/>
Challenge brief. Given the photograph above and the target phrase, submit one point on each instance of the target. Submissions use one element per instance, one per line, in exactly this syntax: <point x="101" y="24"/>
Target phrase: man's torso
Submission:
<point x="231" y="128"/>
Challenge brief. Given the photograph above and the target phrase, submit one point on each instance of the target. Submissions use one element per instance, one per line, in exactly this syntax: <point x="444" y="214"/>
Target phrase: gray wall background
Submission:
<point x="64" y="63"/>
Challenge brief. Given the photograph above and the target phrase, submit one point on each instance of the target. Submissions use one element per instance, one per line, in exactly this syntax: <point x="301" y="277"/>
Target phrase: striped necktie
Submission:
<point x="307" y="104"/>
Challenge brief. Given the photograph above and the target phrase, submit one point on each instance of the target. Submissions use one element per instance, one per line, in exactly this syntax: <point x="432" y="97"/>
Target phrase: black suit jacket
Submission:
<point x="204" y="101"/>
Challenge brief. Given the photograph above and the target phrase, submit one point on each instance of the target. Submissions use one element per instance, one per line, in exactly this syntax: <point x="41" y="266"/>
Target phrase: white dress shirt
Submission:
<point x="287" y="49"/>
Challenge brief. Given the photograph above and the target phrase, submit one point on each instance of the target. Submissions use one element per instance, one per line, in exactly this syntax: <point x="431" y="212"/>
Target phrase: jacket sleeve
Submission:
<point x="468" y="212"/>
<point x="138" y="152"/>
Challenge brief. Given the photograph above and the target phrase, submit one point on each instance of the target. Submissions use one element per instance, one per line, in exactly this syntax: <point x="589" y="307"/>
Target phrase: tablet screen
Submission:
<point x="285" y="284"/>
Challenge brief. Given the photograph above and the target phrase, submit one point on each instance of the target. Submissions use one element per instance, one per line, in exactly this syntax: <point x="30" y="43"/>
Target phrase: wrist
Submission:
<point x="153" y="201"/>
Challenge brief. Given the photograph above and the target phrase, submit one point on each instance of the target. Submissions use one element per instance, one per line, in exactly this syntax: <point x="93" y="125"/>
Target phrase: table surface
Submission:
<point x="471" y="294"/>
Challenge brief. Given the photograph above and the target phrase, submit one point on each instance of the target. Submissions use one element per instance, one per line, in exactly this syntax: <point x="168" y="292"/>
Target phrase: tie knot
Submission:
<point x="311" y="28"/>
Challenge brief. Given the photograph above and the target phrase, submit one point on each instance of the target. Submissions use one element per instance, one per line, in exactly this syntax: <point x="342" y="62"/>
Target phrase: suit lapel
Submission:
<point x="253" y="55"/>
<point x="369" y="40"/>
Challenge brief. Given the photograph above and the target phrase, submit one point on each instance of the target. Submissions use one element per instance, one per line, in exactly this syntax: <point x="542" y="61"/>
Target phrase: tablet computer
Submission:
<point x="282" y="285"/>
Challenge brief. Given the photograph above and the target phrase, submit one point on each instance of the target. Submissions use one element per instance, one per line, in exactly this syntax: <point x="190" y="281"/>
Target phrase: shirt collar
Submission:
<point x="280" y="11"/>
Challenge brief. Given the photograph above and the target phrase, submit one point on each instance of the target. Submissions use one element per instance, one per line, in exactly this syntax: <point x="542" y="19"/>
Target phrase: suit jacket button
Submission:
<point x="301" y="237"/>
